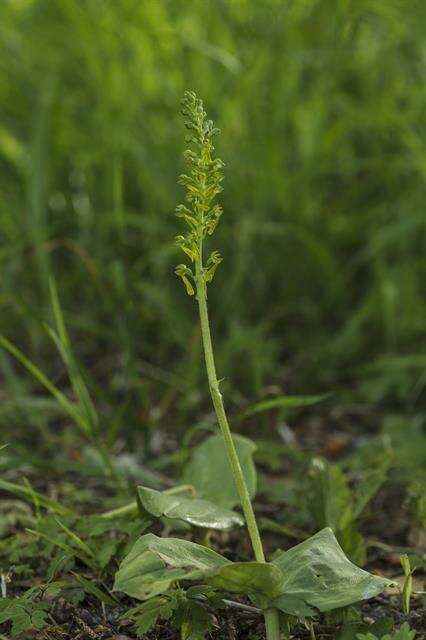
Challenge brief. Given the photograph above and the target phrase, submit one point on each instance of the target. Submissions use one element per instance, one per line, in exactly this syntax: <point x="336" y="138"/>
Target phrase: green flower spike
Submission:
<point x="203" y="184"/>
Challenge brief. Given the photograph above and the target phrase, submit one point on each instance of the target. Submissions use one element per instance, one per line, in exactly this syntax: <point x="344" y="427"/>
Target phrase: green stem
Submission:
<point x="223" y="421"/>
<point x="271" y="615"/>
<point x="272" y="624"/>
<point x="131" y="507"/>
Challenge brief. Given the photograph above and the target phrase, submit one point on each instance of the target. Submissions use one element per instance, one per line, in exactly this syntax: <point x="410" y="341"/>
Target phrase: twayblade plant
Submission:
<point x="313" y="576"/>
<point x="203" y="184"/>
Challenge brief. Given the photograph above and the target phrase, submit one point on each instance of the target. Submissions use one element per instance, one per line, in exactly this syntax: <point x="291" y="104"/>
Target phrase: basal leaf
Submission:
<point x="312" y="576"/>
<point x="210" y="473"/>
<point x="154" y="563"/>
<point x="319" y="577"/>
<point x="198" y="513"/>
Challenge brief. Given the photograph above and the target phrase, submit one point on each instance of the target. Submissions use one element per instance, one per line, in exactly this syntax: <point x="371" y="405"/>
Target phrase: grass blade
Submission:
<point x="68" y="406"/>
<point x="30" y="493"/>
<point x="67" y="548"/>
<point x="88" y="585"/>
<point x="77" y="541"/>
<point x="284" y="402"/>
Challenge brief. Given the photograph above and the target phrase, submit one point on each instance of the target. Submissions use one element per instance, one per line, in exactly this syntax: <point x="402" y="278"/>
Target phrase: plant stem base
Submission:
<point x="272" y="624"/>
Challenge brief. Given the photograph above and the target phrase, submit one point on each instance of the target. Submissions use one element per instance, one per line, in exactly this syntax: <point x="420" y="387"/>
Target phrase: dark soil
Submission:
<point x="91" y="622"/>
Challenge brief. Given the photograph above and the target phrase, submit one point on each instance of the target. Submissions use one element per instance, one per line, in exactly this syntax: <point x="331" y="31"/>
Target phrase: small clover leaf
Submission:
<point x="403" y="633"/>
<point x="23" y="613"/>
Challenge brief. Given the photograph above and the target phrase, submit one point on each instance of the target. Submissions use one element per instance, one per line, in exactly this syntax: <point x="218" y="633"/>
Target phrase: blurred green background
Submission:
<point x="321" y="106"/>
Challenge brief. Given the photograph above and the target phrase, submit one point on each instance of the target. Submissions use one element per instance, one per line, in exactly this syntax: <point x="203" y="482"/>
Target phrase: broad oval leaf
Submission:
<point x="211" y="475"/>
<point x="312" y="576"/>
<point x="154" y="563"/>
<point x="196" y="512"/>
<point x="319" y="577"/>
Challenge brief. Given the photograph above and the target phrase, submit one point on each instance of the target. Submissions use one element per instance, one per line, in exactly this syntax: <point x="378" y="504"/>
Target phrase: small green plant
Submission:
<point x="23" y="613"/>
<point x="333" y="503"/>
<point x="184" y="610"/>
<point x="403" y="633"/>
<point x="407" y="587"/>
<point x="416" y="504"/>
<point x="314" y="576"/>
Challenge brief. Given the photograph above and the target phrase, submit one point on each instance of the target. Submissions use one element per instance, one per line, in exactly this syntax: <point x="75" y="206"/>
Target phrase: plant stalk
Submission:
<point x="272" y="624"/>
<point x="271" y="615"/>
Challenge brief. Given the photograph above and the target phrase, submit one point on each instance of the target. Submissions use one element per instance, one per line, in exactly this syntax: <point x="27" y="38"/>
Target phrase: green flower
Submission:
<point x="203" y="183"/>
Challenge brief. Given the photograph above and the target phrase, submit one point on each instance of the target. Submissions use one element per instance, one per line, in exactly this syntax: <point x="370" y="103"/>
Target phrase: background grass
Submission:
<point x="321" y="107"/>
